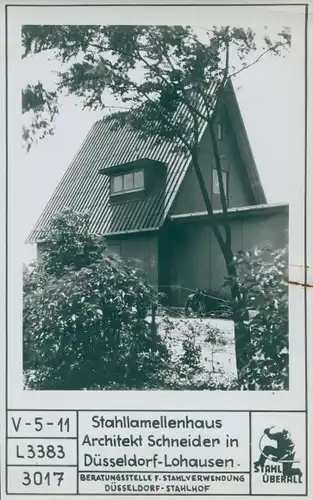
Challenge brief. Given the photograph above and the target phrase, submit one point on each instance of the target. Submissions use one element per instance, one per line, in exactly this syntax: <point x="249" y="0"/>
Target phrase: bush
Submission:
<point x="188" y="371"/>
<point x="263" y="276"/>
<point x="85" y="315"/>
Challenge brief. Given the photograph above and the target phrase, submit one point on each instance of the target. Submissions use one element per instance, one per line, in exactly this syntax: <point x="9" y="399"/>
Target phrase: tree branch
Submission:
<point x="255" y="61"/>
<point x="158" y="73"/>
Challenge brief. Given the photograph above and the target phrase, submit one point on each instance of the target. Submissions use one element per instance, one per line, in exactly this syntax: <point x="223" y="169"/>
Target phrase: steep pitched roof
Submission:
<point x="83" y="188"/>
<point x="241" y="136"/>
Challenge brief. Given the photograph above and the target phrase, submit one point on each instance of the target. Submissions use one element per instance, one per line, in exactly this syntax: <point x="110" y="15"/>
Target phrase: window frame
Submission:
<point x="112" y="184"/>
<point x="125" y="191"/>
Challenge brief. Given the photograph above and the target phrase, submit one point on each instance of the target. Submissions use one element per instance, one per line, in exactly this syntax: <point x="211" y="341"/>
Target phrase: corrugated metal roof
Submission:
<point x="84" y="188"/>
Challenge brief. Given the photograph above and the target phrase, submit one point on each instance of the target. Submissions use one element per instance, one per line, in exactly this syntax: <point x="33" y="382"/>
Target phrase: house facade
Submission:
<point x="143" y="195"/>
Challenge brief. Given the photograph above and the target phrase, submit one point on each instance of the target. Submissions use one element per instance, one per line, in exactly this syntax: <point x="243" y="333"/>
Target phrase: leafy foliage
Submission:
<point x="263" y="275"/>
<point x="191" y="352"/>
<point x="43" y="107"/>
<point x="86" y="327"/>
<point x="154" y="69"/>
<point x="188" y="371"/>
<point x="217" y="341"/>
<point x="85" y="315"/>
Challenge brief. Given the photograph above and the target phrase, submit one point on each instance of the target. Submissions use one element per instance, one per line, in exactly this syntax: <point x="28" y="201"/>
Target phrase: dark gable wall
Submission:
<point x="197" y="261"/>
<point x="189" y="198"/>
<point x="247" y="234"/>
<point x="191" y="260"/>
<point x="140" y="249"/>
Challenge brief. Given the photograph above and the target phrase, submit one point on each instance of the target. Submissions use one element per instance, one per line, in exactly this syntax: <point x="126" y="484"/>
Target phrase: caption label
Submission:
<point x="142" y="452"/>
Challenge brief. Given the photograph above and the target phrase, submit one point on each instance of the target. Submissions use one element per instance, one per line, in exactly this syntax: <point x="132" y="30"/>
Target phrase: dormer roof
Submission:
<point x="140" y="163"/>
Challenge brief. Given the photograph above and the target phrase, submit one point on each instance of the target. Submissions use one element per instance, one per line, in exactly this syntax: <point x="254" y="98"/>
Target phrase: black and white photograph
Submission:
<point x="159" y="169"/>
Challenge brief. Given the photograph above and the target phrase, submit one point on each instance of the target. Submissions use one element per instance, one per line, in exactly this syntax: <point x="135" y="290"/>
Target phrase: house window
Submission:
<point x="219" y="131"/>
<point x="117" y="184"/>
<point x="216" y="185"/>
<point x="138" y="179"/>
<point x="128" y="182"/>
<point x="132" y="181"/>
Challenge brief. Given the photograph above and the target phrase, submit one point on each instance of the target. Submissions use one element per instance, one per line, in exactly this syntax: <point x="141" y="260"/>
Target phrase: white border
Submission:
<point x="294" y="398"/>
<point x="256" y="400"/>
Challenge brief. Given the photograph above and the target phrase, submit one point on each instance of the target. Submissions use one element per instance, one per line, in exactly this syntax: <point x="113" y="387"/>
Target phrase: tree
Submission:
<point x="85" y="316"/>
<point x="184" y="74"/>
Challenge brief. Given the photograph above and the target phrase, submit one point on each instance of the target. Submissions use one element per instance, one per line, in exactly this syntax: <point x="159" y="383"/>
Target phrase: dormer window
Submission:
<point x="127" y="182"/>
<point x="135" y="180"/>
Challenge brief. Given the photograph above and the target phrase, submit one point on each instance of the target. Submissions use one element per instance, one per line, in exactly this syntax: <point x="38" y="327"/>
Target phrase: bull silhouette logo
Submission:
<point x="283" y="453"/>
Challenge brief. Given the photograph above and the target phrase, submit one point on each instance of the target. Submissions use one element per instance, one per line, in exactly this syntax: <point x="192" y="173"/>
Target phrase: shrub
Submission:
<point x="263" y="276"/>
<point x="188" y="372"/>
<point x="85" y="315"/>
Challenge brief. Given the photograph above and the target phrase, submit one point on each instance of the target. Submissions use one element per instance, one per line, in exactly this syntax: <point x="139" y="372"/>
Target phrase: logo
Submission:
<point x="276" y="463"/>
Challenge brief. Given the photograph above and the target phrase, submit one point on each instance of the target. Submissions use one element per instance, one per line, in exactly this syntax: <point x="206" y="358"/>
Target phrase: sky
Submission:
<point x="271" y="99"/>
